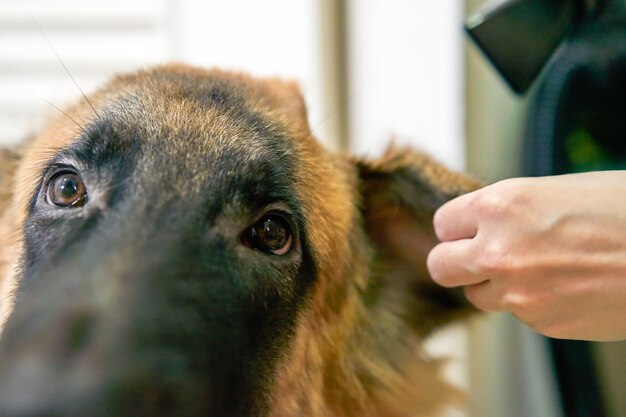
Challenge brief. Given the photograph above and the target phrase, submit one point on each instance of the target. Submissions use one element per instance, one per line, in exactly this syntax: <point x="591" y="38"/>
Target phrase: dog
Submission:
<point x="179" y="244"/>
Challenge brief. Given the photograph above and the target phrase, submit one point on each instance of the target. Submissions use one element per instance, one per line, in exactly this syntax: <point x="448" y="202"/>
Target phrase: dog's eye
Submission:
<point x="271" y="234"/>
<point x="66" y="189"/>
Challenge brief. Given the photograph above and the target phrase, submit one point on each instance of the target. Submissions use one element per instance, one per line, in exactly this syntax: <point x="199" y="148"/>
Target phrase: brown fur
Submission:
<point x="350" y="355"/>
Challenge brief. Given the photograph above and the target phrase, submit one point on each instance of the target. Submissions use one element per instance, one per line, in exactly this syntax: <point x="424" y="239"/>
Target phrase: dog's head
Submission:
<point x="180" y="245"/>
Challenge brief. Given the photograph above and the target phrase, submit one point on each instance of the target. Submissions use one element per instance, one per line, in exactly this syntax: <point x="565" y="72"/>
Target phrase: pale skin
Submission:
<point x="550" y="250"/>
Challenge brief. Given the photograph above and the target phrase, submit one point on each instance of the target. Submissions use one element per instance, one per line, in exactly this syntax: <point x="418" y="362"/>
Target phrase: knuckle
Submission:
<point x="497" y="205"/>
<point x="494" y="258"/>
<point x="503" y="197"/>
<point x="516" y="301"/>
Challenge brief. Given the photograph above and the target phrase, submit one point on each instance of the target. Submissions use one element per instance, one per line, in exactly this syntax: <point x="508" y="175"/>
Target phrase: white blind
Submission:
<point x="94" y="39"/>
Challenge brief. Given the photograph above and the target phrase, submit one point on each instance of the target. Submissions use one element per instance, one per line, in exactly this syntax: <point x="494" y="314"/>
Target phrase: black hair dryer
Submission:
<point x="576" y="115"/>
<point x="520" y="36"/>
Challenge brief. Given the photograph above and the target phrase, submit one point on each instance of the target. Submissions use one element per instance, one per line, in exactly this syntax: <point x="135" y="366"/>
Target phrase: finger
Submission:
<point x="448" y="263"/>
<point x="457" y="219"/>
<point x="484" y="296"/>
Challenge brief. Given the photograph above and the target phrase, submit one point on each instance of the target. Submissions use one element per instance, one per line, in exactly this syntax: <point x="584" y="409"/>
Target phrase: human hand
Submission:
<point x="550" y="250"/>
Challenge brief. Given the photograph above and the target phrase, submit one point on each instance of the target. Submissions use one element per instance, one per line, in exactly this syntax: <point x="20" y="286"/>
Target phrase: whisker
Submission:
<point x="46" y="150"/>
<point x="119" y="183"/>
<point x="338" y="109"/>
<point x="14" y="236"/>
<point x="50" y="119"/>
<point x="64" y="66"/>
<point x="60" y="111"/>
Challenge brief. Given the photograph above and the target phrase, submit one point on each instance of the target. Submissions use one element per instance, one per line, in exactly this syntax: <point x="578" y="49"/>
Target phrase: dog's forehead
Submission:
<point x="197" y="113"/>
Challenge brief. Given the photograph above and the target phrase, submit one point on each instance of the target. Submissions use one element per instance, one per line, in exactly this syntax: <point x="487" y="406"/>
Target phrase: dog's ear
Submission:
<point x="9" y="160"/>
<point x="400" y="193"/>
<point x="288" y="99"/>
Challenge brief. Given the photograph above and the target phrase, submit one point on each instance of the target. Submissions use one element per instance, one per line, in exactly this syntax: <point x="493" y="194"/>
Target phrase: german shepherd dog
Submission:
<point x="178" y="244"/>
